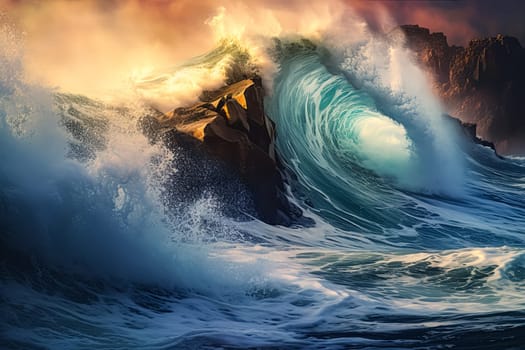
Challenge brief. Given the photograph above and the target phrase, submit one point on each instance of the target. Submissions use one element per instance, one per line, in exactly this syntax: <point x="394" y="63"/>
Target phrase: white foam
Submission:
<point x="402" y="90"/>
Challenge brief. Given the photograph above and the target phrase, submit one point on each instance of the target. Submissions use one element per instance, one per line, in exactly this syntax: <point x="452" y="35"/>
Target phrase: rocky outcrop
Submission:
<point x="483" y="83"/>
<point x="432" y="50"/>
<point x="469" y="131"/>
<point x="232" y="126"/>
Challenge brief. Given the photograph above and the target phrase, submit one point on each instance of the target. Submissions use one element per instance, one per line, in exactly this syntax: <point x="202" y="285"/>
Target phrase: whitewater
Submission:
<point x="417" y="239"/>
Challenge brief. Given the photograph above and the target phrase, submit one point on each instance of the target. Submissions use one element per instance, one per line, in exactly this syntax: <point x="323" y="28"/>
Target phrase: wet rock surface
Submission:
<point x="231" y="126"/>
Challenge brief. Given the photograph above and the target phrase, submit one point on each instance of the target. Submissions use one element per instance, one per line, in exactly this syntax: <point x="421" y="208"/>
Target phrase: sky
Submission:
<point x="95" y="43"/>
<point x="460" y="20"/>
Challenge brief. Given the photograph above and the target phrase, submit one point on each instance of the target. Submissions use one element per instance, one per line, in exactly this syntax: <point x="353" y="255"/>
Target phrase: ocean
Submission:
<point x="417" y="241"/>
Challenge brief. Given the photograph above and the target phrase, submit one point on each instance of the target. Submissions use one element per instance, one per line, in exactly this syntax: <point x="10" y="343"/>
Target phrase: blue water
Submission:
<point x="418" y="239"/>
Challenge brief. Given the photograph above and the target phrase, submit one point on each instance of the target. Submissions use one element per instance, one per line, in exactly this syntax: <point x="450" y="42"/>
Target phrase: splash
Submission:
<point x="181" y="85"/>
<point x="82" y="188"/>
<point x="128" y="41"/>
<point x="387" y="72"/>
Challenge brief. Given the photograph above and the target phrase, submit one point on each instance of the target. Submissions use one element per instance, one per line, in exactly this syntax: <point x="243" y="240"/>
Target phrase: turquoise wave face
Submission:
<point x="344" y="151"/>
<point x="328" y="134"/>
<point x="338" y="124"/>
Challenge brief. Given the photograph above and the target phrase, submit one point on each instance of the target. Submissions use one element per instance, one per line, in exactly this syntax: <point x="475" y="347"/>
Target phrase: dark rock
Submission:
<point x="432" y="50"/>
<point x="231" y="125"/>
<point x="483" y="83"/>
<point x="469" y="131"/>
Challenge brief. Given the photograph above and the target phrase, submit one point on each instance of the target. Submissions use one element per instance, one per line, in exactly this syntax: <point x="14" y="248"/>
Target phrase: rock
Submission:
<point x="483" y="83"/>
<point x="469" y="130"/>
<point x="232" y="126"/>
<point x="432" y="50"/>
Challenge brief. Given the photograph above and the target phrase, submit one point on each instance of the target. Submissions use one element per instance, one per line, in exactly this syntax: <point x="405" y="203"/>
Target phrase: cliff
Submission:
<point x="231" y="125"/>
<point x="483" y="83"/>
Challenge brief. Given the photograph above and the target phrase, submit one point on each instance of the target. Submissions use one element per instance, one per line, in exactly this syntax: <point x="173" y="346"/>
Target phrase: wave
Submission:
<point x="387" y="129"/>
